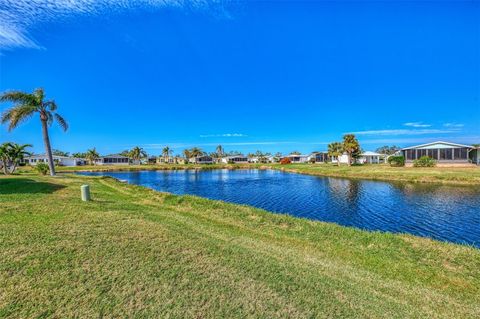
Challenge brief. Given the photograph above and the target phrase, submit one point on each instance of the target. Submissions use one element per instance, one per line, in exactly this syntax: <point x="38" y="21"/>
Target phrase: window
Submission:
<point x="445" y="154"/>
<point x="433" y="153"/>
<point x="421" y="153"/>
<point x="410" y="154"/>
<point x="460" y="153"/>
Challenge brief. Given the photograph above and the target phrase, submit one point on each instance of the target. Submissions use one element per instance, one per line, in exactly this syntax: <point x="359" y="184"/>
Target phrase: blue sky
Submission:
<point x="271" y="76"/>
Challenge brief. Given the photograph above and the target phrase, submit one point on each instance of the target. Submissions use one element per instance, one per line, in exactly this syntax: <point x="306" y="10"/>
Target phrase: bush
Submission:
<point x="285" y="160"/>
<point x="42" y="168"/>
<point x="424" y="161"/>
<point x="396" y="161"/>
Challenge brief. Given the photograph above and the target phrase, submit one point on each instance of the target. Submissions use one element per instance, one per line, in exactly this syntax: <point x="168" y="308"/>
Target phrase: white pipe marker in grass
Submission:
<point x="85" y="190"/>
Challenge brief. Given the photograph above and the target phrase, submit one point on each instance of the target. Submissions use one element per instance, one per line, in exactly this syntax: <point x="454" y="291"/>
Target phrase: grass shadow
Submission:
<point x="26" y="186"/>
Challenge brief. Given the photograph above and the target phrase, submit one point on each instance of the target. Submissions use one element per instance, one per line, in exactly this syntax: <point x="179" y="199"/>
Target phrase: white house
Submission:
<point x="370" y="158"/>
<point x="266" y="159"/>
<point x="203" y="159"/>
<point x="294" y="158"/>
<point x="59" y="160"/>
<point x="238" y="159"/>
<point x="343" y="159"/>
<point x="444" y="153"/>
<point x="114" y="159"/>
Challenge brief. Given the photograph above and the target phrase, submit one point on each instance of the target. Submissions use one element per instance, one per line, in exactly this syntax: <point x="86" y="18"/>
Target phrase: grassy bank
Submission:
<point x="441" y="175"/>
<point x="136" y="252"/>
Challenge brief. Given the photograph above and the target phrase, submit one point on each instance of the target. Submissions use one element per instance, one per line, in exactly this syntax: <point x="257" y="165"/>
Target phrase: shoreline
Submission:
<point x="438" y="175"/>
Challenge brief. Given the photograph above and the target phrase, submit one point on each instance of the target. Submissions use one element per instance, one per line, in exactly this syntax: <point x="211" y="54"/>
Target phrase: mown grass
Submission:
<point x="134" y="252"/>
<point x="441" y="175"/>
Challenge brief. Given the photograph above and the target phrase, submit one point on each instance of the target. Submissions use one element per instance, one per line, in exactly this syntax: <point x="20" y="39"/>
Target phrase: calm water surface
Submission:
<point x="440" y="212"/>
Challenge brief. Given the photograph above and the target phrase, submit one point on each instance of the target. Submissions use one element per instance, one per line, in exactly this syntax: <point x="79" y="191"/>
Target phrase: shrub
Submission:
<point x="42" y="168"/>
<point x="285" y="160"/>
<point x="424" y="161"/>
<point x="396" y="161"/>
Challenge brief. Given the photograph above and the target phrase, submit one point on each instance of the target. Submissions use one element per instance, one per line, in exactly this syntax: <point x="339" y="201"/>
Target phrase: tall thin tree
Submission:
<point x="25" y="106"/>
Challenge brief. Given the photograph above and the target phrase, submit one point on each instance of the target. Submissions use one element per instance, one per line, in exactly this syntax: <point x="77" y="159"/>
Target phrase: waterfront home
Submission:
<point x="59" y="160"/>
<point x="444" y="153"/>
<point x="203" y="159"/>
<point x="264" y="159"/>
<point x="343" y="159"/>
<point x="114" y="159"/>
<point x="369" y="157"/>
<point x="294" y="158"/>
<point x="238" y="159"/>
<point x="165" y="160"/>
<point x="320" y="157"/>
<point x="170" y="160"/>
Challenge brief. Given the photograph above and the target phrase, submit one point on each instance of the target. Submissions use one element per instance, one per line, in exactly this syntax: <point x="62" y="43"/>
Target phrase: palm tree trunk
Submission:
<point x="48" y="149"/>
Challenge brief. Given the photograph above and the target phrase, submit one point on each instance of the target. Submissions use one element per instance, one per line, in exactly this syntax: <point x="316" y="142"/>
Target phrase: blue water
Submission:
<point x="441" y="212"/>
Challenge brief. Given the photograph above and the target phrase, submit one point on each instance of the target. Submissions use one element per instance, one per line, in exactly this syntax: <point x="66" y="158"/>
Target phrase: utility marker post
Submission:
<point x="85" y="190"/>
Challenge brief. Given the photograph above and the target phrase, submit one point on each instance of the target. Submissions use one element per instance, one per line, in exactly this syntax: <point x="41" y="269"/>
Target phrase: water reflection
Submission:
<point x="441" y="212"/>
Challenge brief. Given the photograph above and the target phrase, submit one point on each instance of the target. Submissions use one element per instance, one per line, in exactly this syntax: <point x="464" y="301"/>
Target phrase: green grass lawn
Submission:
<point x="134" y="252"/>
<point x="442" y="175"/>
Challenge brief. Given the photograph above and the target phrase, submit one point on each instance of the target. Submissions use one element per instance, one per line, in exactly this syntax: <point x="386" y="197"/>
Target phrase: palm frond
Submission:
<point x="17" y="115"/>
<point x="18" y="97"/>
<point x="51" y="105"/>
<point x="39" y="94"/>
<point x="63" y="123"/>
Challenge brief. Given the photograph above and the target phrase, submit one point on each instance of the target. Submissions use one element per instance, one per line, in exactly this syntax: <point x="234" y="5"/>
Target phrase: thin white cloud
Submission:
<point x="224" y="135"/>
<point x="416" y="124"/>
<point x="405" y="132"/>
<point x="18" y="17"/>
<point x="453" y="125"/>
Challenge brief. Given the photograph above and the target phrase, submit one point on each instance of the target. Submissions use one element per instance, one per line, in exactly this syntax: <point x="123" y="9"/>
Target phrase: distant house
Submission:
<point x="170" y="160"/>
<point x="371" y="158"/>
<point x="294" y="158"/>
<point x="114" y="159"/>
<point x="203" y="159"/>
<point x="343" y="159"/>
<point x="320" y="157"/>
<point x="59" y="160"/>
<point x="443" y="153"/>
<point x="238" y="159"/>
<point x="265" y="159"/>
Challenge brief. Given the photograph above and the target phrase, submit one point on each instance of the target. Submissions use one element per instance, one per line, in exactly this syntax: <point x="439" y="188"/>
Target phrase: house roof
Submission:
<point x="297" y="155"/>
<point x="113" y="156"/>
<point x="369" y="153"/>
<point x="437" y="142"/>
<point x="54" y="156"/>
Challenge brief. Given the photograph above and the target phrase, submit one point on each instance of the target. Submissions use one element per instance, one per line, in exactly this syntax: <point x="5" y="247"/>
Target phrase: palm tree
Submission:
<point x="137" y="153"/>
<point x="220" y="151"/>
<point x="91" y="156"/>
<point x="17" y="153"/>
<point x="335" y="149"/>
<point x="195" y="151"/>
<point x="187" y="154"/>
<point x="12" y="154"/>
<point x="166" y="152"/>
<point x="25" y="106"/>
<point x="351" y="146"/>
<point x="4" y="150"/>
